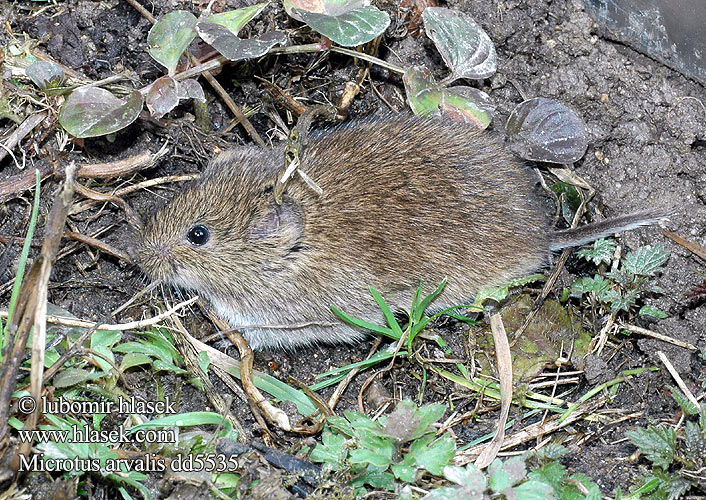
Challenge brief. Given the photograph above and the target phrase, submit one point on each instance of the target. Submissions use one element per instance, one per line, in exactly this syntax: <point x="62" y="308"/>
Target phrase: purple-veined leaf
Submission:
<point x="234" y="20"/>
<point x="328" y="7"/>
<point x="237" y="49"/>
<point x="45" y="74"/>
<point x="464" y="45"/>
<point x="92" y="112"/>
<point x="462" y="104"/>
<point x="542" y="129"/>
<point x="170" y="37"/>
<point x="190" y="89"/>
<point x="162" y="96"/>
<point x="350" y="28"/>
<point x="469" y="105"/>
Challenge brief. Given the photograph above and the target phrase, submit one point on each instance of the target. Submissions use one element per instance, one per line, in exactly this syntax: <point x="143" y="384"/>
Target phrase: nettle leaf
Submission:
<point x="236" y="49"/>
<point x="234" y="20"/>
<point x="652" y="312"/>
<point x="162" y="96"/>
<point x="45" y="74"/>
<point x="463" y="104"/>
<point x="599" y="252"/>
<point x="92" y="112"/>
<point x="500" y="293"/>
<point x="597" y="285"/>
<point x="695" y="440"/>
<point x="618" y="301"/>
<point x="656" y="443"/>
<point x="645" y="261"/>
<point x="541" y="129"/>
<point x="463" y="44"/>
<point x="170" y="36"/>
<point x="685" y="403"/>
<point x="350" y="28"/>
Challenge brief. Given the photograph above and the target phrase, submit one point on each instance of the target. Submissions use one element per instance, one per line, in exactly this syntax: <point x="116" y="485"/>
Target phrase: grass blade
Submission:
<point x="25" y="251"/>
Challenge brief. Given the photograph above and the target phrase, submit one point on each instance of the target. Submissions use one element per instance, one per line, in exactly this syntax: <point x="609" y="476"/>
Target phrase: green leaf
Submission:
<point x="695" y="440"/>
<point x="645" y="261"/>
<point x="462" y="104"/>
<point x="541" y="129"/>
<point x="594" y="493"/>
<point x="653" y="312"/>
<point x="499" y="293"/>
<point x="330" y="451"/>
<point x="433" y="455"/>
<point x="170" y="37"/>
<point x="24" y="255"/>
<point x="405" y="471"/>
<point x="183" y="420"/>
<point x="686" y="405"/>
<point x="387" y="332"/>
<point x="145" y="348"/>
<point x="533" y="490"/>
<point x="464" y="45"/>
<point x="74" y="376"/>
<point x="421" y="307"/>
<point x="597" y="285"/>
<point x="471" y="483"/>
<point x="93" y="111"/>
<point x="569" y="200"/>
<point x="351" y="28"/>
<point x="375" y="477"/>
<point x="503" y="475"/>
<point x="600" y="252"/>
<point x="552" y="473"/>
<point x="656" y="443"/>
<point x="387" y="312"/>
<point x="381" y="457"/>
<point x="234" y="20"/>
<point x="132" y="359"/>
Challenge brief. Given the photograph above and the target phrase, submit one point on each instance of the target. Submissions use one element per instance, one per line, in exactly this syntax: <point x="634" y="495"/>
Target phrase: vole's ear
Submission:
<point x="280" y="223"/>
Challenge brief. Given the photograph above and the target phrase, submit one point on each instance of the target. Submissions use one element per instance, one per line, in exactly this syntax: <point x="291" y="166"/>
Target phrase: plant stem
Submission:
<point x="292" y="49"/>
<point x="371" y="59"/>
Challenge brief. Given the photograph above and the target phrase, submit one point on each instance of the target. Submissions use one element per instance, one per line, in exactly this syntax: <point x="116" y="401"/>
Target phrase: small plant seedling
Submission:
<point x="619" y="290"/>
<point x="397" y="447"/>
<point x="676" y="462"/>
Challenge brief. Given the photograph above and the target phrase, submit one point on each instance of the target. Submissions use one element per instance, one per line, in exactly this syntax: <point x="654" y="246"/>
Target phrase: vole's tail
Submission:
<point x="585" y="234"/>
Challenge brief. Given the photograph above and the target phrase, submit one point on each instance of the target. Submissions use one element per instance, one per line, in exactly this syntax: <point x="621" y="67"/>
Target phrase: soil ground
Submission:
<point x="647" y="133"/>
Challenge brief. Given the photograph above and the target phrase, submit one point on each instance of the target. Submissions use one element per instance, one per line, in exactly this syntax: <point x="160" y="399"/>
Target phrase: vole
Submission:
<point x="405" y="200"/>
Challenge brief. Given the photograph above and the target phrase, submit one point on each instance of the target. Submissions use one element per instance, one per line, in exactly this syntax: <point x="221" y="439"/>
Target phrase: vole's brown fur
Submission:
<point x="405" y="200"/>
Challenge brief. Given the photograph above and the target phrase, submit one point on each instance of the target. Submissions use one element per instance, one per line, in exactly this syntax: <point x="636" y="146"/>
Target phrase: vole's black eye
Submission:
<point x="198" y="235"/>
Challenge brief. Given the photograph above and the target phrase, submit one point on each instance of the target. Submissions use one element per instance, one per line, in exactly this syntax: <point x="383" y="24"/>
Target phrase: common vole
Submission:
<point x="405" y="200"/>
